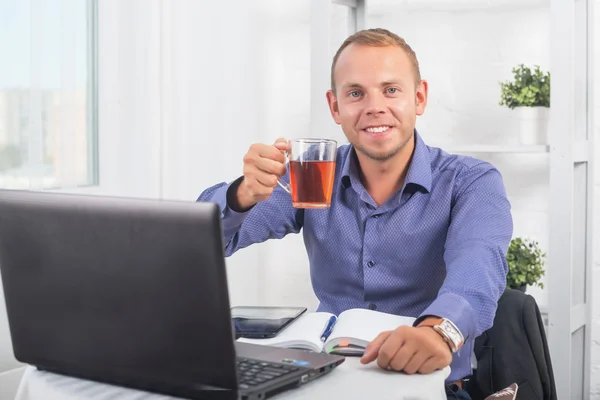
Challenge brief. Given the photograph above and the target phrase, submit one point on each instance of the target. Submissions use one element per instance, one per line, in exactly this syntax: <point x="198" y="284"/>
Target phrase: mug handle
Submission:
<point x="280" y="182"/>
<point x="284" y="185"/>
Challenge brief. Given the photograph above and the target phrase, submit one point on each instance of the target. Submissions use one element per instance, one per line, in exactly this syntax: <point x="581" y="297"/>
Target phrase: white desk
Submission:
<point x="351" y="380"/>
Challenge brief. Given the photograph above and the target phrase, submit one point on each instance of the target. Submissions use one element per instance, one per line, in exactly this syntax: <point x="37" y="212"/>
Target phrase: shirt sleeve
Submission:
<point x="475" y="252"/>
<point x="273" y="218"/>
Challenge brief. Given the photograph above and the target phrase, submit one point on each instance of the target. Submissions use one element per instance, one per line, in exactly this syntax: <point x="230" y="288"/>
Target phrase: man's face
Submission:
<point x="377" y="100"/>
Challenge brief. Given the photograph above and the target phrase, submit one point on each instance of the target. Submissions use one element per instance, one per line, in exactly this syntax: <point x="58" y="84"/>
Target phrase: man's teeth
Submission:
<point x="378" y="129"/>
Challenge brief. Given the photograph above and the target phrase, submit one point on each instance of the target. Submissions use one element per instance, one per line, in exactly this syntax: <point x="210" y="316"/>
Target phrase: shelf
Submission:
<point x="523" y="149"/>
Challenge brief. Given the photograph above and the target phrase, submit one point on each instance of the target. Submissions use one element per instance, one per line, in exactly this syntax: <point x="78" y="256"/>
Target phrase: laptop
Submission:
<point x="133" y="292"/>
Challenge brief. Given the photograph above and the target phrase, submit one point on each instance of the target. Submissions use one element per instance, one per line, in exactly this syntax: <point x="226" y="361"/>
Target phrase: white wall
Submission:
<point x="226" y="86"/>
<point x="185" y="88"/>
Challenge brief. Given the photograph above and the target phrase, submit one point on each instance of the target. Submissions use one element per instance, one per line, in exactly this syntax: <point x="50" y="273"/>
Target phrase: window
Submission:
<point x="48" y="112"/>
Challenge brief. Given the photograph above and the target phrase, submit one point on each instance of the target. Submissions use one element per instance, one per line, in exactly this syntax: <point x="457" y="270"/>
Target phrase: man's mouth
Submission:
<point x="377" y="131"/>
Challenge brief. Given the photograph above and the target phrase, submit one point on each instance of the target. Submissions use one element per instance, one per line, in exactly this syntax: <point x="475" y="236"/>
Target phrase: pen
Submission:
<point x="328" y="328"/>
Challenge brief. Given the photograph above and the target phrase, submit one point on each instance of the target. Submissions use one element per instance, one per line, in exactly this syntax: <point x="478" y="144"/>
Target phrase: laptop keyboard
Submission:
<point x="254" y="372"/>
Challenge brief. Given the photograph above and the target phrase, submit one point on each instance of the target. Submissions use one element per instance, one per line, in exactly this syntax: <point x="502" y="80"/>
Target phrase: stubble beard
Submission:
<point x="383" y="156"/>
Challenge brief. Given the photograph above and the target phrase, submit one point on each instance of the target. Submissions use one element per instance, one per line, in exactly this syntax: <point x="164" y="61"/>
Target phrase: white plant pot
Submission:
<point x="533" y="122"/>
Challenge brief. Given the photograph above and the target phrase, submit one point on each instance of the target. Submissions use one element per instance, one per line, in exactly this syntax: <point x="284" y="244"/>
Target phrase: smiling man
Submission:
<point x="411" y="230"/>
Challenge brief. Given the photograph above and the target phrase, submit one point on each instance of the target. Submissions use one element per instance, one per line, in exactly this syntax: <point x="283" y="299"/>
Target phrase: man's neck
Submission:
<point x="382" y="179"/>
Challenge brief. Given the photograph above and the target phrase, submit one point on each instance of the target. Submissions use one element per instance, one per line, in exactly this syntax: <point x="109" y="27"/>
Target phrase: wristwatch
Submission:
<point x="447" y="330"/>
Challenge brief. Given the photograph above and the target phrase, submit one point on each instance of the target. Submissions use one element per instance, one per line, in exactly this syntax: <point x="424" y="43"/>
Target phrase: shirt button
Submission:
<point x="370" y="264"/>
<point x="372" y="306"/>
<point x="376" y="216"/>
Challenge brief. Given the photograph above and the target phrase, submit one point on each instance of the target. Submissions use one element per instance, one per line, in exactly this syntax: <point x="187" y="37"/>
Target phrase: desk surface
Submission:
<point x="351" y="380"/>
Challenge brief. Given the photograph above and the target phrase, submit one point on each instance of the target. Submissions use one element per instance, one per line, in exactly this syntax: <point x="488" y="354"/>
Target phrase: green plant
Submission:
<point x="525" y="263"/>
<point x="528" y="89"/>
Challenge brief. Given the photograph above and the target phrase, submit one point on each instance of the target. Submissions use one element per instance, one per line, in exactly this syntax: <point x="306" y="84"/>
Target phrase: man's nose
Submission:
<point x="376" y="105"/>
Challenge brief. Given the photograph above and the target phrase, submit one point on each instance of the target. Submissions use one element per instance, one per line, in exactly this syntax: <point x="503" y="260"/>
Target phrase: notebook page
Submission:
<point x="305" y="333"/>
<point x="361" y="326"/>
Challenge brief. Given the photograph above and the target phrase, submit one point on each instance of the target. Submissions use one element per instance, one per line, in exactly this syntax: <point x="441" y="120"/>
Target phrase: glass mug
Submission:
<point x="312" y="172"/>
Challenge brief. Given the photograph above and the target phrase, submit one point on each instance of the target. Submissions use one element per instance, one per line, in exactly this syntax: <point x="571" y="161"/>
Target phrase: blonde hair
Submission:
<point x="377" y="37"/>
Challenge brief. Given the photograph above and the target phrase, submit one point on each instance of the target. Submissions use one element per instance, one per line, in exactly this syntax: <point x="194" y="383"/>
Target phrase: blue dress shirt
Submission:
<point x="436" y="247"/>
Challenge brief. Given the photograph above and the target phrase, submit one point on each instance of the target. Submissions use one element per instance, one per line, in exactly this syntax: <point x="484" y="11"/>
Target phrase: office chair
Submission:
<point x="514" y="350"/>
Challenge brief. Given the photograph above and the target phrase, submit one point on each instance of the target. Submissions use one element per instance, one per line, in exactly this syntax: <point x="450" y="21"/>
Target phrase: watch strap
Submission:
<point x="447" y="330"/>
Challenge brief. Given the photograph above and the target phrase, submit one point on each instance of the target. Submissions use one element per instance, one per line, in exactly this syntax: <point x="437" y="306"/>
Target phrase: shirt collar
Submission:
<point x="419" y="170"/>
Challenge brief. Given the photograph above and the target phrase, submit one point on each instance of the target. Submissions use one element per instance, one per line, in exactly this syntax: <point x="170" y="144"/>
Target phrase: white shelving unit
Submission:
<point x="571" y="196"/>
<point x="569" y="262"/>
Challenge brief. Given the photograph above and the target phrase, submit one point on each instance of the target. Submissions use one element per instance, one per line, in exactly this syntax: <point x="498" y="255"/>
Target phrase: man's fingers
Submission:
<point x="372" y="349"/>
<point x="429" y="366"/>
<point x="403" y="355"/>
<point x="281" y="143"/>
<point x="397" y="350"/>
<point x="259" y="183"/>
<point x="263" y="164"/>
<point x="416" y="361"/>
<point x="270" y="166"/>
<point x="266" y="151"/>
<point x="268" y="181"/>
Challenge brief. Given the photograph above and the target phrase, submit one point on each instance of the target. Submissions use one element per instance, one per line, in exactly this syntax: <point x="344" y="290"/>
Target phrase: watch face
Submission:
<point x="452" y="332"/>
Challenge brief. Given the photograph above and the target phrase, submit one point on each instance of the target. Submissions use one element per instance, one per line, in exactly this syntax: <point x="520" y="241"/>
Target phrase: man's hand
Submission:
<point x="263" y="164"/>
<point x="410" y="350"/>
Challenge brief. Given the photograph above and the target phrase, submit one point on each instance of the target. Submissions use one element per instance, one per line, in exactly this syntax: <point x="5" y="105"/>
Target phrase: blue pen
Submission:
<point x="328" y="328"/>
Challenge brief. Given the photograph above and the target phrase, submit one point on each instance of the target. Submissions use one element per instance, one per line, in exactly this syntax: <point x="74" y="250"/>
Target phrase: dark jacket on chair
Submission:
<point x="514" y="350"/>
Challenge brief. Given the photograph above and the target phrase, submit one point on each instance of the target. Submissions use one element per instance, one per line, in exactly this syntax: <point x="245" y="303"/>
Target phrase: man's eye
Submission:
<point x="354" y="94"/>
<point x="392" y="90"/>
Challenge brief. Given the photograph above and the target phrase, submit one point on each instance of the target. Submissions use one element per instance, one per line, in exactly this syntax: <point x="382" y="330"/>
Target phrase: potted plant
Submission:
<point x="528" y="96"/>
<point x="525" y="264"/>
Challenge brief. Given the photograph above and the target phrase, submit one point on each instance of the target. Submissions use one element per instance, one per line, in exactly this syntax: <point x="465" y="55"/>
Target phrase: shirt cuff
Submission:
<point x="454" y="308"/>
<point x="231" y="220"/>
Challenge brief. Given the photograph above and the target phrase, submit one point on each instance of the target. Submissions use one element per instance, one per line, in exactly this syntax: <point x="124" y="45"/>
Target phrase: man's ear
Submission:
<point x="333" y="106"/>
<point x="421" y="96"/>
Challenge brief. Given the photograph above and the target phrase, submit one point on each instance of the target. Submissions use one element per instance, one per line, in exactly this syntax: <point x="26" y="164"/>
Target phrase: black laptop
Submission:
<point x="133" y="292"/>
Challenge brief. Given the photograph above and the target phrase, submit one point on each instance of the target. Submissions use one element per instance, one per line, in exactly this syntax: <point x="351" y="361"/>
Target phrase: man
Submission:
<point x="411" y="230"/>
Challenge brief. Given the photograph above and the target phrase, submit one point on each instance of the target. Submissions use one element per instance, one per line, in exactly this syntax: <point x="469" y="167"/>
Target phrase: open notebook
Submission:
<point x="353" y="330"/>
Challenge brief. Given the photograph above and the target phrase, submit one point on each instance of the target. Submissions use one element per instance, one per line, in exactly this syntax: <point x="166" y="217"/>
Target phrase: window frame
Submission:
<point x="92" y="95"/>
<point x="92" y="109"/>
